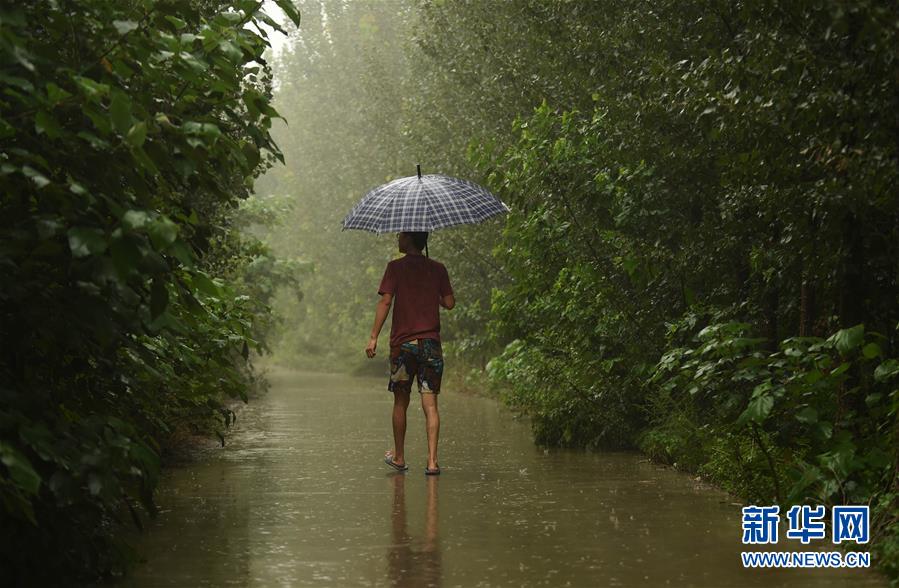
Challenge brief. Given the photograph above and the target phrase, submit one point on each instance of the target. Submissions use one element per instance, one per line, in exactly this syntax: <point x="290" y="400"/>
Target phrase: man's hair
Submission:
<point x="419" y="239"/>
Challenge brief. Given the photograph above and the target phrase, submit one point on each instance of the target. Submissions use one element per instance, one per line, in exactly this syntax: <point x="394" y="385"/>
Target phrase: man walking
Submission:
<point x="418" y="284"/>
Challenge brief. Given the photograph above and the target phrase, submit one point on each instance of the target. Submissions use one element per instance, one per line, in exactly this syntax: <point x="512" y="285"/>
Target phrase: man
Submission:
<point x="419" y="284"/>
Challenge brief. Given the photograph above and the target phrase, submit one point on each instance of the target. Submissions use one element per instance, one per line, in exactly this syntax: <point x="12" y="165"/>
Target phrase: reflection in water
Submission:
<point x="408" y="566"/>
<point x="300" y="496"/>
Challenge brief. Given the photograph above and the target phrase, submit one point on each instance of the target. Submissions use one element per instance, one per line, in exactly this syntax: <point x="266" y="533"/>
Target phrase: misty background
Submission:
<point x="364" y="104"/>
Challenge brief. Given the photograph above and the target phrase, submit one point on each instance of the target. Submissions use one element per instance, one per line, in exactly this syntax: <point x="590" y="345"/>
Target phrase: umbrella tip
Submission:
<point x="418" y="168"/>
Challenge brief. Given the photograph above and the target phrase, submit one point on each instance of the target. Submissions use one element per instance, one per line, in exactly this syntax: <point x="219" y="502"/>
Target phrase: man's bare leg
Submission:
<point x="432" y="422"/>
<point x="400" y="404"/>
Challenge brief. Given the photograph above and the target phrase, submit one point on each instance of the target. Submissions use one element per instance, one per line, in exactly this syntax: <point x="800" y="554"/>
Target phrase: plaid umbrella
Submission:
<point x="423" y="203"/>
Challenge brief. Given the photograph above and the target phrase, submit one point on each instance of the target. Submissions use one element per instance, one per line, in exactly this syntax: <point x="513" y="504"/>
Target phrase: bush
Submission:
<point x="130" y="130"/>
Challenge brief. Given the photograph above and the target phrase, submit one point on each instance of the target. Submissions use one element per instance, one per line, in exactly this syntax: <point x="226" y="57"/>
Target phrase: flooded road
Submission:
<point x="300" y="496"/>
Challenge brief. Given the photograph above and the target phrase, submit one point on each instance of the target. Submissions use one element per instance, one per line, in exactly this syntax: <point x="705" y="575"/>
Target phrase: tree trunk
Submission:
<point x="806" y="309"/>
<point x="852" y="285"/>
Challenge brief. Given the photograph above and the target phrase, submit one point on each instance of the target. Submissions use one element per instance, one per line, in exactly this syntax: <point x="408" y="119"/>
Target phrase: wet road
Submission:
<point x="300" y="496"/>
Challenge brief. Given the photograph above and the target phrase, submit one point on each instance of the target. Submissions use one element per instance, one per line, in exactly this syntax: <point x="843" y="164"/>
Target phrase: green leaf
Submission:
<point x="886" y="370"/>
<point x="163" y="120"/>
<point x="176" y="22"/>
<point x="95" y="141"/>
<point x="124" y="26"/>
<point x="840" y="368"/>
<point x="90" y="87"/>
<point x="120" y="111"/>
<point x="20" y="469"/>
<point x="198" y="66"/>
<point x="871" y="350"/>
<point x="845" y="340"/>
<point x="231" y="51"/>
<point x="76" y="188"/>
<point x="290" y="10"/>
<point x="40" y="439"/>
<point x="878" y="458"/>
<point x="252" y="155"/>
<point x="56" y="94"/>
<point x="144" y="160"/>
<point x="135" y="219"/>
<point x="163" y="232"/>
<point x="183" y="253"/>
<point x="140" y="452"/>
<point x="85" y="241"/>
<point x="6" y="129"/>
<point x="44" y="123"/>
<point x="36" y="176"/>
<point x="98" y="116"/>
<point x="758" y="409"/>
<point x="810" y="475"/>
<point x="272" y="23"/>
<point x="137" y="134"/>
<point x="807" y="415"/>
<point x="203" y="283"/>
<point x="873" y="399"/>
<point x="813" y="376"/>
<point x="207" y="131"/>
<point x="167" y="320"/>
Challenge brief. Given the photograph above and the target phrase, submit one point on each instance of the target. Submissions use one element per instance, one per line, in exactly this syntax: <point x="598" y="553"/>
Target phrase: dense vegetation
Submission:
<point x="130" y="133"/>
<point x="705" y="260"/>
<point x="703" y="257"/>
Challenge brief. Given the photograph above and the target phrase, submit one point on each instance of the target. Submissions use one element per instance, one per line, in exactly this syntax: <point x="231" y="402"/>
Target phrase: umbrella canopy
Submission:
<point x="423" y="203"/>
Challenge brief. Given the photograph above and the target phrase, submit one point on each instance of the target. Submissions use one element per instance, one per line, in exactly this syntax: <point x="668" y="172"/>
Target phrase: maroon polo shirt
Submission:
<point x="417" y="283"/>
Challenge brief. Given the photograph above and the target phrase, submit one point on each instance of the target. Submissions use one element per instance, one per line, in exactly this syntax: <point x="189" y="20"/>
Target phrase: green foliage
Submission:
<point x="568" y="407"/>
<point x="813" y="421"/>
<point x="130" y="129"/>
<point x="817" y="399"/>
<point x="725" y="169"/>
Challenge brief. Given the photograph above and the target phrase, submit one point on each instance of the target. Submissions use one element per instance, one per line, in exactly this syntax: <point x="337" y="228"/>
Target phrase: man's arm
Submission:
<point x="448" y="302"/>
<point x="381" y="313"/>
<point x="380" y="316"/>
<point x="445" y="294"/>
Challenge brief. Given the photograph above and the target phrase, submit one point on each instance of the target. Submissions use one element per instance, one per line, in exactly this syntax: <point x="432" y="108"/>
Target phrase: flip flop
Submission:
<point x="434" y="472"/>
<point x="389" y="461"/>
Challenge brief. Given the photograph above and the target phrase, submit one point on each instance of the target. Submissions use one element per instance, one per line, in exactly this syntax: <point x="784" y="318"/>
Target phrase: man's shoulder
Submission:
<point x="415" y="258"/>
<point x="412" y="263"/>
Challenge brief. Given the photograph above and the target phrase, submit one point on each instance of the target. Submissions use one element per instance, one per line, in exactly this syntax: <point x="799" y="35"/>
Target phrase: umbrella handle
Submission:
<point x="418" y="169"/>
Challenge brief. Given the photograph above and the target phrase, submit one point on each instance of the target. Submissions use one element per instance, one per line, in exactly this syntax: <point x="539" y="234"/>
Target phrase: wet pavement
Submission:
<point x="300" y="496"/>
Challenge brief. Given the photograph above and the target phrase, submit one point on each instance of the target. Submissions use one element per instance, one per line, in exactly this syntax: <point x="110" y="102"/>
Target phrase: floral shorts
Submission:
<point x="419" y="357"/>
